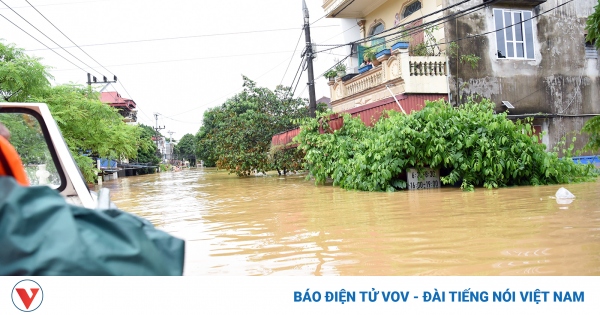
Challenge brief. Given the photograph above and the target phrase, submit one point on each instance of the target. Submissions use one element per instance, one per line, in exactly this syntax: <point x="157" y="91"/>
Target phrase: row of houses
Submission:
<point x="530" y="57"/>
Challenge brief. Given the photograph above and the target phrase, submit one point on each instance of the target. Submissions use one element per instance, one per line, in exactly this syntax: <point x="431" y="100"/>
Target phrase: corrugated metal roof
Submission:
<point x="369" y="114"/>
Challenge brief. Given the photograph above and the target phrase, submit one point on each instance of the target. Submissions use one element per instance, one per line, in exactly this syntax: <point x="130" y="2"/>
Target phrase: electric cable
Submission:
<point x="232" y="92"/>
<point x="42" y="43"/>
<point x="24" y="19"/>
<point x="422" y="26"/>
<point x="292" y="57"/>
<point x="188" y="59"/>
<point x="65" y="35"/>
<point x="183" y="37"/>
<point x="300" y="67"/>
<point x="294" y="91"/>
<point x="476" y="35"/>
<point x="500" y="29"/>
<point x="131" y="97"/>
<point x="62" y="3"/>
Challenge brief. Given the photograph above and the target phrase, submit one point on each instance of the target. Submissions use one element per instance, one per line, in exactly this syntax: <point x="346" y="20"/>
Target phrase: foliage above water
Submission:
<point x="147" y="151"/>
<point x="592" y="127"/>
<point x="20" y="75"/>
<point x="90" y="126"/>
<point x="186" y="147"/>
<point x="237" y="135"/>
<point x="476" y="146"/>
<point x="593" y="27"/>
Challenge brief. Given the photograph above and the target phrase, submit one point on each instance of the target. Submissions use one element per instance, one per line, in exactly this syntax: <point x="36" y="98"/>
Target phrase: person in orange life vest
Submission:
<point x="10" y="162"/>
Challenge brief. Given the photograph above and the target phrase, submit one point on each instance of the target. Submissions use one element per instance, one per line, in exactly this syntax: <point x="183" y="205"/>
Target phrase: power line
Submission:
<point x="131" y="97"/>
<point x="237" y="90"/>
<point x="300" y="67"/>
<point x="294" y="92"/>
<point x="476" y="35"/>
<point x="42" y="43"/>
<point x="330" y="38"/>
<point x="185" y="122"/>
<point x="24" y="19"/>
<point x="65" y="35"/>
<point x="525" y="20"/>
<point x="317" y="20"/>
<point x="422" y="26"/>
<point x="62" y="3"/>
<point x="189" y="59"/>
<point x="332" y="67"/>
<point x="292" y="57"/>
<point x="495" y="30"/>
<point x="184" y="37"/>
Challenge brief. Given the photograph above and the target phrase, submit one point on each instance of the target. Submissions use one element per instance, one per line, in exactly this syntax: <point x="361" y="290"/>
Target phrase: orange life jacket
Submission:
<point x="10" y="163"/>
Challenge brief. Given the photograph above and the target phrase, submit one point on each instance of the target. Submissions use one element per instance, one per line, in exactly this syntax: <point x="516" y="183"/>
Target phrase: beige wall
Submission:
<point x="386" y="13"/>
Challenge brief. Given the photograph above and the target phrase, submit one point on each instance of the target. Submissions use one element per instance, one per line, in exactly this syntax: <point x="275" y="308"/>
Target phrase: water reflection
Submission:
<point x="289" y="226"/>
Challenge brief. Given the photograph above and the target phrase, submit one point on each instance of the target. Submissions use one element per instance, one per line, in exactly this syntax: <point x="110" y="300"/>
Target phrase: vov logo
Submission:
<point x="27" y="295"/>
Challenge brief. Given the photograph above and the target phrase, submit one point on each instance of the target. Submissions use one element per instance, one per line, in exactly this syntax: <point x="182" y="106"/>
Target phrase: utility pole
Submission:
<point x="156" y="129"/>
<point x="312" y="105"/>
<point x="95" y="81"/>
<point x="171" y="142"/>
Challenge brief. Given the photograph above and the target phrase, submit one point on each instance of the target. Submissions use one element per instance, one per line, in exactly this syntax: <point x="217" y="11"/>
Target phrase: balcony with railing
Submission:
<point x="393" y="72"/>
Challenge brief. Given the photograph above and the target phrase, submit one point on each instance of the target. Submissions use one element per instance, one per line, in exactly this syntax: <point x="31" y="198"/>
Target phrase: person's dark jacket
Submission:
<point x="42" y="235"/>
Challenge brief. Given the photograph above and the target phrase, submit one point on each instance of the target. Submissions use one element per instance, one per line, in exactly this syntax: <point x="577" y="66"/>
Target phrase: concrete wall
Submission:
<point x="559" y="80"/>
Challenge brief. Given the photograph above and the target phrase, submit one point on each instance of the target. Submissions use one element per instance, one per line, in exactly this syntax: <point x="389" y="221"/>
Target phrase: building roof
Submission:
<point x="325" y="100"/>
<point x="114" y="99"/>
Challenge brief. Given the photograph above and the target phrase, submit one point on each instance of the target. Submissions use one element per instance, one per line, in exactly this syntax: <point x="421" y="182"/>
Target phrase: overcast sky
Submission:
<point x="177" y="78"/>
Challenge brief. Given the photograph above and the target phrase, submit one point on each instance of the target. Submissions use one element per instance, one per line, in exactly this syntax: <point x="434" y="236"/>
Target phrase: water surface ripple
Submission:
<point x="288" y="226"/>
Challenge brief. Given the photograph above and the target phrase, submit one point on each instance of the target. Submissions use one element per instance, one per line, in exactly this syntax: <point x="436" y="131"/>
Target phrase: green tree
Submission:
<point x="593" y="27"/>
<point x="205" y="141"/>
<point x="237" y="135"/>
<point x="186" y="148"/>
<point x="26" y="137"/>
<point x="89" y="126"/>
<point x="592" y="126"/>
<point x="21" y="76"/>
<point x="147" y="150"/>
<point x="476" y="146"/>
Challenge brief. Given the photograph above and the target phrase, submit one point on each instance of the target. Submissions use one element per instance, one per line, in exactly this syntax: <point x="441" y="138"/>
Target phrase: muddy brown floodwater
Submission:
<point x="288" y="226"/>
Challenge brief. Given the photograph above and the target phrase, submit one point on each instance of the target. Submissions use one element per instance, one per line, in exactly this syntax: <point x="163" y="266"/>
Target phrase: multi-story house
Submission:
<point x="396" y="76"/>
<point x="127" y="107"/>
<point x="527" y="56"/>
<point x="534" y="61"/>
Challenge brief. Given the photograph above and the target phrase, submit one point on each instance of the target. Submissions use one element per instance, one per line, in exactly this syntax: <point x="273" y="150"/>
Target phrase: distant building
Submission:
<point x="325" y="100"/>
<point x="127" y="107"/>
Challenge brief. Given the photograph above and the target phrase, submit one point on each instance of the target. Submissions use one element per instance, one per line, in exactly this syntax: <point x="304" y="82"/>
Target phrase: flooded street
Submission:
<point x="288" y="226"/>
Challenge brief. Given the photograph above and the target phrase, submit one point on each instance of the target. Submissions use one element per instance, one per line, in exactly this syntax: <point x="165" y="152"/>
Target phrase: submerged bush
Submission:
<point x="476" y="146"/>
